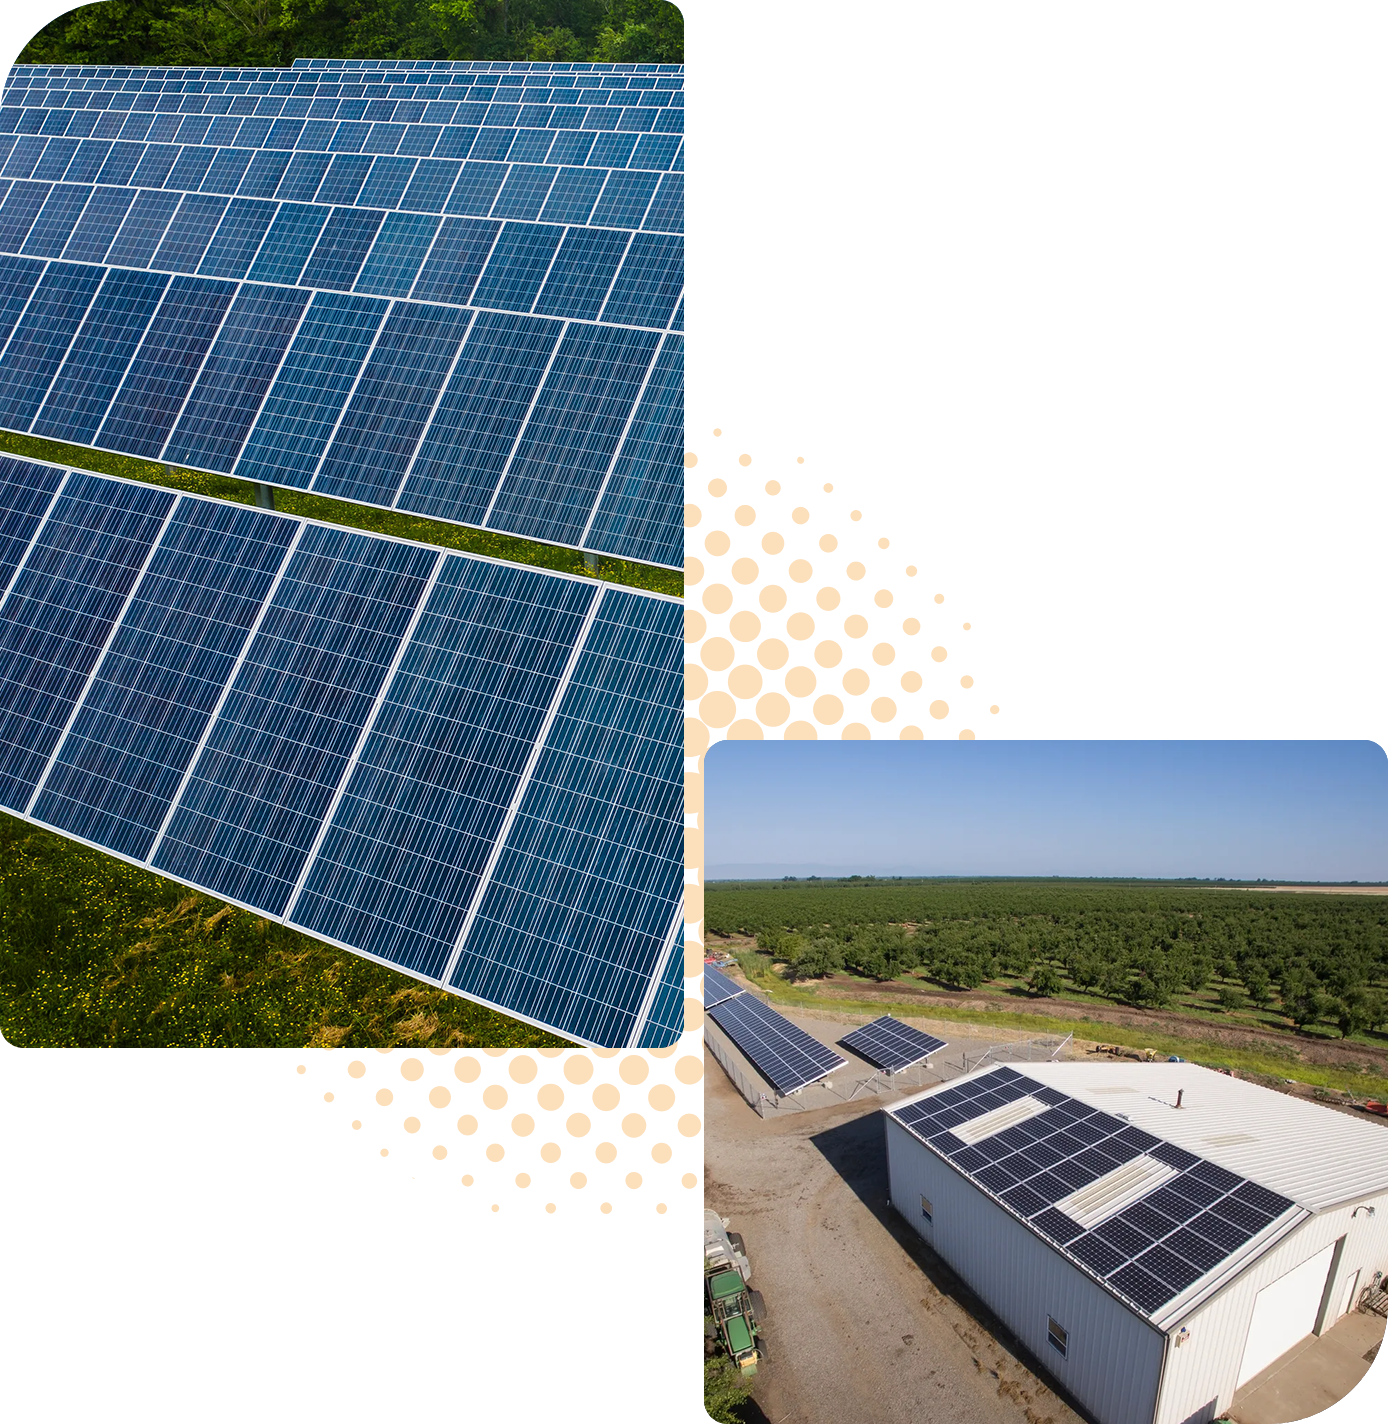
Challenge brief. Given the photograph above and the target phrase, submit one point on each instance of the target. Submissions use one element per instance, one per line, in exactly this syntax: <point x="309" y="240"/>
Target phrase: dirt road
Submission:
<point x="865" y="1326"/>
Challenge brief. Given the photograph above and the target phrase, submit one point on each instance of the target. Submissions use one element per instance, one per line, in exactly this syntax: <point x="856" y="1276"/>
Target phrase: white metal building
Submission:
<point x="1156" y="1234"/>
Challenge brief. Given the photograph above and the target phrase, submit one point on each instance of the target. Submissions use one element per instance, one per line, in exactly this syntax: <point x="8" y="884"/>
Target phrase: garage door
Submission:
<point x="1285" y="1313"/>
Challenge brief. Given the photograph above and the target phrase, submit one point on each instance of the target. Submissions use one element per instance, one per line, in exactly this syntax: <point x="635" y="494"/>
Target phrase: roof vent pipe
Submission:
<point x="1180" y="1093"/>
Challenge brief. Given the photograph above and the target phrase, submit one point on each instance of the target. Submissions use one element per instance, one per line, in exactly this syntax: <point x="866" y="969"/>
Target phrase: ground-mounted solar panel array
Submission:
<point x="891" y="1046"/>
<point x="784" y="1054"/>
<point x="455" y="291"/>
<point x="717" y="987"/>
<point x="465" y="769"/>
<point x="1159" y="1242"/>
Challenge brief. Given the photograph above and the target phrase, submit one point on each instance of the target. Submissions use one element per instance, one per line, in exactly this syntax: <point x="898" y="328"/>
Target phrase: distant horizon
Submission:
<point x="776" y="875"/>
<point x="1242" y="812"/>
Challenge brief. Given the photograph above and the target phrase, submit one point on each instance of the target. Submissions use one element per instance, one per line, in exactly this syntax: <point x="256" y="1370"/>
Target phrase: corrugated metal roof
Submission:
<point x="1312" y="1154"/>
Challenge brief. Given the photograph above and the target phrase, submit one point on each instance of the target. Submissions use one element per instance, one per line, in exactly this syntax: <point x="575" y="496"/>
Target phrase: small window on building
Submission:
<point x="927" y="1211"/>
<point x="1058" y="1336"/>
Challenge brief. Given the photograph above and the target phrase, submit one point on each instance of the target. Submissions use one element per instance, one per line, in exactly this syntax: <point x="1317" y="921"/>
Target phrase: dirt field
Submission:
<point x="1330" y="889"/>
<point x="865" y="1326"/>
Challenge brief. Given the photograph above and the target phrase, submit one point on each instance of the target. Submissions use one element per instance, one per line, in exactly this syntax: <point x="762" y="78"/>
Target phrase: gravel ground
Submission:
<point x="864" y="1324"/>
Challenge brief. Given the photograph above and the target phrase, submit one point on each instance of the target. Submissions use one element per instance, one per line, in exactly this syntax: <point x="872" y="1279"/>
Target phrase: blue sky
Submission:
<point x="1241" y="810"/>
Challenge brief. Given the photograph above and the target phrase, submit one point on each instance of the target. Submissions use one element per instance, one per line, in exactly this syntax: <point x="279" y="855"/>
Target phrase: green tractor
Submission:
<point x="735" y="1311"/>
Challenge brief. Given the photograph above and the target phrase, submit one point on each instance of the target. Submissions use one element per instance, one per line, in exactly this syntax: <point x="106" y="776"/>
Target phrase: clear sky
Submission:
<point x="1241" y="810"/>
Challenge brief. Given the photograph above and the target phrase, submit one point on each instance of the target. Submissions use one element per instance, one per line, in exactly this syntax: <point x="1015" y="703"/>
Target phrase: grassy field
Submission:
<point x="97" y="952"/>
<point x="1280" y="1066"/>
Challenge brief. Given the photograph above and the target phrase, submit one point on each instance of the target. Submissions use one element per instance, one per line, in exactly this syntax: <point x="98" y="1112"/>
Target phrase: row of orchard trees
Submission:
<point x="1311" y="957"/>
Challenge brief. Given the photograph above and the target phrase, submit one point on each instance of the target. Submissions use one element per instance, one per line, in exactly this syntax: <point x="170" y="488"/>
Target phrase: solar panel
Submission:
<point x="465" y="769"/>
<point x="890" y="1045"/>
<point x="1149" y="1249"/>
<point x="786" y="1056"/>
<point x="563" y="208"/>
<point x="718" y="987"/>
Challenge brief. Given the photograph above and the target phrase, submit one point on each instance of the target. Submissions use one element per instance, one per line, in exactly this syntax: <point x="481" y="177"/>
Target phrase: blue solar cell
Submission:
<point x="288" y="243"/>
<point x="717" y="987"/>
<point x="239" y="368"/>
<point x="227" y="169"/>
<point x="625" y="198"/>
<point x="263" y="174"/>
<point x="391" y="404"/>
<point x="120" y="765"/>
<point x="154" y="166"/>
<point x="654" y="151"/>
<point x="529" y="146"/>
<point x="163" y="370"/>
<point x="18" y="211"/>
<point x="189" y="233"/>
<point x="237" y="238"/>
<point x="666" y="213"/>
<point x="386" y="182"/>
<point x="18" y="278"/>
<point x="517" y="266"/>
<point x="303" y="177"/>
<point x="581" y="276"/>
<point x="430" y="186"/>
<point x="258" y="792"/>
<point x="479" y="416"/>
<point x="346" y="239"/>
<point x="637" y="515"/>
<point x="308" y="394"/>
<point x="59" y="611"/>
<point x="649" y="284"/>
<point x="91" y="373"/>
<point x="580" y="904"/>
<point x="612" y="151"/>
<point x="55" y="222"/>
<point x="573" y="431"/>
<point x="143" y="229"/>
<point x="455" y="141"/>
<point x="665" y="1022"/>
<point x="41" y="339"/>
<point x="398" y="253"/>
<point x="476" y="188"/>
<point x="98" y="224"/>
<point x="57" y="157"/>
<point x="23" y="157"/>
<point x="88" y="161"/>
<point x="190" y="170"/>
<point x="455" y="261"/>
<point x="26" y="491"/>
<point x="571" y="146"/>
<point x="785" y="1055"/>
<point x="524" y="192"/>
<point x="121" y="161"/>
<point x="345" y="178"/>
<point x="572" y="197"/>
<point x="415" y="827"/>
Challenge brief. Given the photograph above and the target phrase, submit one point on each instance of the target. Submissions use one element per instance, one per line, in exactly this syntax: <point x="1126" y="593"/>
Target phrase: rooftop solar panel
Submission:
<point x="718" y="987"/>
<point x="890" y="1045"/>
<point x="786" y="1056"/>
<point x="1149" y="1249"/>
<point x="468" y="770"/>
<point x="573" y="227"/>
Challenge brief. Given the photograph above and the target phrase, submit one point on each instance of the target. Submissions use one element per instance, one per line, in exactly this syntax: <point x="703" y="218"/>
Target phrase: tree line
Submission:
<point x="276" y="32"/>
<point x="1315" y="958"/>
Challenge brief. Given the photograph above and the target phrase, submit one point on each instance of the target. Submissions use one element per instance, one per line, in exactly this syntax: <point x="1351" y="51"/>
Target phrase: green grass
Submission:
<point x="95" y="952"/>
<point x="358" y="516"/>
<point x="1268" y="1063"/>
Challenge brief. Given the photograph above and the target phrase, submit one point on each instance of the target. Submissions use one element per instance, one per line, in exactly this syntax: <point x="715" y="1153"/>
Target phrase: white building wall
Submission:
<point x="1114" y="1363"/>
<point x="1201" y="1374"/>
